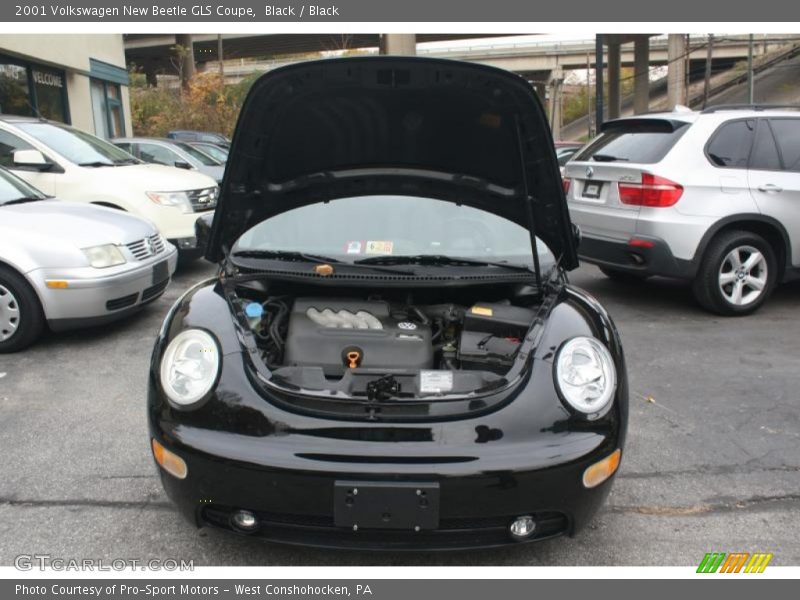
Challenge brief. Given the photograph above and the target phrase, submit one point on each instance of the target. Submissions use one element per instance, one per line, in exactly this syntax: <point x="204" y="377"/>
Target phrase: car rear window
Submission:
<point x="643" y="141"/>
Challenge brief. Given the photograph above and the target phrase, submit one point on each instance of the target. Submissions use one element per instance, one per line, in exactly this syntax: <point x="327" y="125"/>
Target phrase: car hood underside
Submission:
<point x="322" y="130"/>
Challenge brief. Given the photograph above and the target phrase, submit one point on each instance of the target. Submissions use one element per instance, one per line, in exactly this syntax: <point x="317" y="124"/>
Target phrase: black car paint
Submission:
<point x="245" y="451"/>
<point x="520" y="451"/>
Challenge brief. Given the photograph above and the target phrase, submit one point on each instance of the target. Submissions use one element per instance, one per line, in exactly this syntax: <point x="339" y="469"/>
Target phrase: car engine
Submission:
<point x="338" y="334"/>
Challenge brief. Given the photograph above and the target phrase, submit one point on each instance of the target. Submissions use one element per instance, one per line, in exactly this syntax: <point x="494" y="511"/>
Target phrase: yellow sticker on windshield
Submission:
<point x="378" y="247"/>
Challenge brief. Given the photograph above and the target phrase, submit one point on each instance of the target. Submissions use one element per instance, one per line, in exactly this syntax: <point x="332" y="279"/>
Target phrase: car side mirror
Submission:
<point x="182" y="164"/>
<point x="576" y="235"/>
<point x="31" y="159"/>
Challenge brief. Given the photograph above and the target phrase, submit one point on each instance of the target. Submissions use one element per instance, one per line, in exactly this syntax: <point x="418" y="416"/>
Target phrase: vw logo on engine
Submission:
<point x="407" y="325"/>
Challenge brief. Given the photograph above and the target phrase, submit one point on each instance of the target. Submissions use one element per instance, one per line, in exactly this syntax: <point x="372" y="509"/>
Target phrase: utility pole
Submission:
<point x="709" y="56"/>
<point x="750" y="71"/>
<point x="598" y="81"/>
<point x="220" y="57"/>
<point x="589" y="96"/>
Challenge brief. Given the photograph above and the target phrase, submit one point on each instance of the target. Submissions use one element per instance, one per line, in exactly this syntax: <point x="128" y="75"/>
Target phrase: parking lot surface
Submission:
<point x="712" y="461"/>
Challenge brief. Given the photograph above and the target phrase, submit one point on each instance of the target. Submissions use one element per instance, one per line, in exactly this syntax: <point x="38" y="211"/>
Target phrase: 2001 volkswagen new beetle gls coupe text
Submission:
<point x="390" y="355"/>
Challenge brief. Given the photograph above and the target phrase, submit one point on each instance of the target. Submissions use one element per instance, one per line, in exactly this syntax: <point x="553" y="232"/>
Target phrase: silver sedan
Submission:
<point x="71" y="265"/>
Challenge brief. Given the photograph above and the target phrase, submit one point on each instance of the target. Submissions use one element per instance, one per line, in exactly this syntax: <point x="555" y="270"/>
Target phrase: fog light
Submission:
<point x="522" y="527"/>
<point x="245" y="520"/>
<point x="169" y="461"/>
<point x="600" y="471"/>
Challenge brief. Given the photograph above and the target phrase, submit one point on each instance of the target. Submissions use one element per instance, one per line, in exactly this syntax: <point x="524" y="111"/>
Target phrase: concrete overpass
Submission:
<point x="154" y="53"/>
<point x="543" y="63"/>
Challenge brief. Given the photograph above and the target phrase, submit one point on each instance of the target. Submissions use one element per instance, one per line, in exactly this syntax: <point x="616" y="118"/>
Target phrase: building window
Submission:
<point x="107" y="109"/>
<point x="29" y="89"/>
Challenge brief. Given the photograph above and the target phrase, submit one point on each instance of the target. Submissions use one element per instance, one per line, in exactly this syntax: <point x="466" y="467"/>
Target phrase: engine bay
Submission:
<point x="391" y="345"/>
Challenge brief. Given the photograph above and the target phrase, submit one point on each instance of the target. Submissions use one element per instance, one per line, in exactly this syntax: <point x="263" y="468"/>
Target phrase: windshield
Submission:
<point x="213" y="151"/>
<point x="77" y="146"/>
<point x="13" y="188"/>
<point x="202" y="157"/>
<point x="350" y="229"/>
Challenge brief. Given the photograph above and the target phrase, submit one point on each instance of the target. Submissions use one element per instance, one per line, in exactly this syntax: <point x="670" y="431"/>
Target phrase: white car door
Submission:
<point x="774" y="175"/>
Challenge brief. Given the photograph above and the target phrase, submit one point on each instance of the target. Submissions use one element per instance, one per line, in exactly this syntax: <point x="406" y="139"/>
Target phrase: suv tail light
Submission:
<point x="566" y="181"/>
<point x="652" y="191"/>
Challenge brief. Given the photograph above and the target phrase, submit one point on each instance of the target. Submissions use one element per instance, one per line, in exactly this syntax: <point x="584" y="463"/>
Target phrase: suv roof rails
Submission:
<point x="754" y="107"/>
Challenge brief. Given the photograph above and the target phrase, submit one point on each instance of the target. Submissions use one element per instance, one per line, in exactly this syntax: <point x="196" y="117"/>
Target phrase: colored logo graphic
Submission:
<point x="736" y="562"/>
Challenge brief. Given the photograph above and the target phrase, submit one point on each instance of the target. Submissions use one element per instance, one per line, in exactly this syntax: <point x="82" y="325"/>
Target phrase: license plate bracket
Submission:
<point x="386" y="505"/>
<point x="592" y="190"/>
<point x="160" y="272"/>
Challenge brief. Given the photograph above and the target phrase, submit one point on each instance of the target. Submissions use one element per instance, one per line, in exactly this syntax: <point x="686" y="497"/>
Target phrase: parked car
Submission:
<point x="67" y="265"/>
<point x="218" y="153"/>
<point x="172" y="154"/>
<point x="712" y="197"/>
<point x="565" y="151"/>
<point x="383" y="361"/>
<point x="187" y="135"/>
<point x="74" y="165"/>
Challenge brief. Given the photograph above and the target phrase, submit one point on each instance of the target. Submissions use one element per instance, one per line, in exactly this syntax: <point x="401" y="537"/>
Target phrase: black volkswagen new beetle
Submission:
<point x="390" y="356"/>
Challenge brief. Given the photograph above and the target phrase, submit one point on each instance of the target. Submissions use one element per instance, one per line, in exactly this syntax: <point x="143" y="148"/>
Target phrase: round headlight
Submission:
<point x="585" y="375"/>
<point x="189" y="366"/>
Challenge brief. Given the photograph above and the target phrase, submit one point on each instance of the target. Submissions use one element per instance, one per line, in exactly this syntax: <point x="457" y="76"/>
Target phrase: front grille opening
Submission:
<point x="147" y="247"/>
<point x="124" y="302"/>
<point x="154" y="291"/>
<point x="453" y="532"/>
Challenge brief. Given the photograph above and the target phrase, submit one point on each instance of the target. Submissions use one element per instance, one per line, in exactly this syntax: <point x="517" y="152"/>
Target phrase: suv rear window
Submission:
<point x="643" y="141"/>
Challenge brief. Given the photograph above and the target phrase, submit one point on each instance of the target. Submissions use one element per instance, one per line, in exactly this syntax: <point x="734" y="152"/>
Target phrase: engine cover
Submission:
<point x="337" y="334"/>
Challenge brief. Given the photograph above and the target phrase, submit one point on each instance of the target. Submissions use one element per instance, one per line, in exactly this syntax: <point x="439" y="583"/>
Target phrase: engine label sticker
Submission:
<point x="379" y="247"/>
<point x="435" y="382"/>
<point x="484" y="311"/>
<point x="353" y="247"/>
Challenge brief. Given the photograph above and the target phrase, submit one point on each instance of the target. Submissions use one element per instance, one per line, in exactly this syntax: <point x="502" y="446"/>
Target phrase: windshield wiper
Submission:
<point x="127" y="161"/>
<point x="608" y="158"/>
<point x="314" y="258"/>
<point x="96" y="163"/>
<point x="438" y="260"/>
<point x="22" y="200"/>
<point x="286" y="255"/>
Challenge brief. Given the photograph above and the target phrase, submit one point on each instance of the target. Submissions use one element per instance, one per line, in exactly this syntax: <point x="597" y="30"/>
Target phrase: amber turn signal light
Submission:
<point x="602" y="470"/>
<point x="169" y="461"/>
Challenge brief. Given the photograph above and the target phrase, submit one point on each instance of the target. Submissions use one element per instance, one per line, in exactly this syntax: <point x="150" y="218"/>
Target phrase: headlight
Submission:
<point x="101" y="257"/>
<point x="179" y="199"/>
<point x="189" y="366"/>
<point x="585" y="375"/>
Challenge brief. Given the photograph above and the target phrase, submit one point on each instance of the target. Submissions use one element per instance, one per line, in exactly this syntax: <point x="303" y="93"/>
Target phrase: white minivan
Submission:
<point x="74" y="165"/>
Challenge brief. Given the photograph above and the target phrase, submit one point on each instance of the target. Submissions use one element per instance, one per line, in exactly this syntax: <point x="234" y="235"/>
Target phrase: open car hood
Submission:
<point x="321" y="130"/>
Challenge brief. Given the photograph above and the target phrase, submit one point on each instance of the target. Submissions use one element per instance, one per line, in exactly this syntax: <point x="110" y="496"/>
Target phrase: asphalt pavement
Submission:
<point x="712" y="461"/>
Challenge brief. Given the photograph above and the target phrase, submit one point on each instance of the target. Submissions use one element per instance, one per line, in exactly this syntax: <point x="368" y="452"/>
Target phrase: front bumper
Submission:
<point x="295" y="505"/>
<point x="94" y="297"/>
<point x="645" y="255"/>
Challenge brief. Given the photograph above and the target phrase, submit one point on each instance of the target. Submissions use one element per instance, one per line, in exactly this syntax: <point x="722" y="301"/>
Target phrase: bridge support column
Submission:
<point x="676" y="71"/>
<point x="614" y="72"/>
<point x="185" y="51"/>
<point x="641" y="75"/>
<point x="399" y="43"/>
